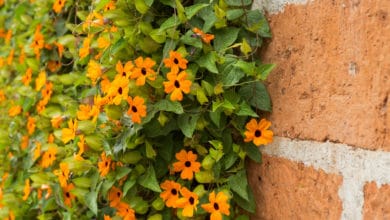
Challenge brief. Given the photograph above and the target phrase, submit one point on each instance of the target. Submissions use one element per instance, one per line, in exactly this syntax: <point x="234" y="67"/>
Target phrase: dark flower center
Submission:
<point x="118" y="194"/>
<point x="120" y="90"/>
<point x="49" y="155"/>
<point x="175" y="61"/>
<point x="174" y="191"/>
<point x="187" y="163"/>
<point x="134" y="109"/>
<point x="106" y="163"/>
<point x="36" y="43"/>
<point x="177" y="84"/>
<point x="257" y="133"/>
<point x="191" y="200"/>
<point x="67" y="194"/>
<point x="216" y="207"/>
<point x="143" y="71"/>
<point x="123" y="73"/>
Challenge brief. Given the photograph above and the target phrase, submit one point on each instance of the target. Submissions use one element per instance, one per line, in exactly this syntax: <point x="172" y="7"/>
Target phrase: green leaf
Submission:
<point x="257" y="23"/>
<point x="149" y="2"/>
<point x="208" y="61"/>
<point x="234" y="14"/>
<point x="91" y="201"/>
<point x="238" y="183"/>
<point x="100" y="4"/>
<point x="245" y="47"/>
<point x="246" y="110"/>
<point x="201" y="96"/>
<point x="192" y="41"/>
<point x="238" y="2"/>
<point x="252" y="151"/>
<point x="150" y="152"/>
<point x="225" y="37"/>
<point x="180" y="11"/>
<point x="232" y="76"/>
<point x="194" y="9"/>
<point x="169" y="106"/>
<point x="264" y="70"/>
<point x="149" y="180"/>
<point x="249" y="205"/>
<point x="158" y="35"/>
<point x="187" y="123"/>
<point x="257" y="96"/>
<point x="128" y="185"/>
<point x="170" y="23"/>
<point x="215" y="117"/>
<point x="141" y="6"/>
<point x="248" y="67"/>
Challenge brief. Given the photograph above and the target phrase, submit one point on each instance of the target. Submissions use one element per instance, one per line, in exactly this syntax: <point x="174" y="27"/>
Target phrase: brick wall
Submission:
<point x="330" y="92"/>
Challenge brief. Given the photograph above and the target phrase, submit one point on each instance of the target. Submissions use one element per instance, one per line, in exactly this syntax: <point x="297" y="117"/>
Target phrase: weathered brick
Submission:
<point x="288" y="190"/>
<point x="376" y="201"/>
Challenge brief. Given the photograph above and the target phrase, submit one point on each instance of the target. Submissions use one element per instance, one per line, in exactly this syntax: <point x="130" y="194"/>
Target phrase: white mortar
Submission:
<point x="275" y="6"/>
<point x="357" y="166"/>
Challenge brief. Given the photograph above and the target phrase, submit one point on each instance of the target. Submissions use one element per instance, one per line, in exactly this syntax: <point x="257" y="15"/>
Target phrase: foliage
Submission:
<point x="130" y="108"/>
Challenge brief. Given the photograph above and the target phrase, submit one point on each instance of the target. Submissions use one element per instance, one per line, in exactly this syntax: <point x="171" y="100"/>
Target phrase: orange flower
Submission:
<point x="84" y="50"/>
<point x="26" y="189"/>
<point x="40" y="80"/>
<point x="104" y="164"/>
<point x="24" y="144"/>
<point x="37" y="150"/>
<point x="49" y="157"/>
<point x="170" y="195"/>
<point x="2" y="96"/>
<point x="10" y="56"/>
<point x="137" y="108"/>
<point x="30" y="125"/>
<point x="14" y="110"/>
<point x="94" y="71"/>
<point x="58" y="5"/>
<point x="26" y="79"/>
<point x="63" y="174"/>
<point x="109" y="6"/>
<point x="217" y="206"/>
<point x="48" y="191"/>
<point x="60" y="49"/>
<point x="124" y="71"/>
<point x="50" y="138"/>
<point x="81" y="145"/>
<point x="176" y="85"/>
<point x="93" y="19"/>
<point x="83" y="112"/>
<point x="54" y="65"/>
<point x="175" y="61"/>
<point x="119" y="90"/>
<point x="107" y="217"/>
<point x="41" y="106"/>
<point x="47" y="91"/>
<point x="38" y="41"/>
<point x="207" y="38"/>
<point x="187" y="164"/>
<point x="8" y="37"/>
<point x="258" y="133"/>
<point x="114" y="196"/>
<point x="143" y="70"/>
<point x="188" y="203"/>
<point x="103" y="43"/>
<point x="70" y="132"/>
<point x="125" y="211"/>
<point x="56" y="121"/>
<point x="68" y="196"/>
<point x="22" y="55"/>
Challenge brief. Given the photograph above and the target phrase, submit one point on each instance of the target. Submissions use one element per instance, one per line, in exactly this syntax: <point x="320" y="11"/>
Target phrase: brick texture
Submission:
<point x="376" y="201"/>
<point x="287" y="190"/>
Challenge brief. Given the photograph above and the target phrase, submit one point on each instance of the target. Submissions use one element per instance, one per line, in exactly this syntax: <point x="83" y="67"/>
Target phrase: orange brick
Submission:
<point x="376" y="201"/>
<point x="288" y="190"/>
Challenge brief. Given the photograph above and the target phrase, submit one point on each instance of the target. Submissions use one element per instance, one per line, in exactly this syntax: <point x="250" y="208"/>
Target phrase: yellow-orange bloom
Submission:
<point x="49" y="157"/>
<point x="50" y="138"/>
<point x="69" y="133"/>
<point x="170" y="195"/>
<point x="103" y="43"/>
<point x="176" y="85"/>
<point x="56" y="121"/>
<point x="186" y="164"/>
<point x="24" y="143"/>
<point x="81" y="145"/>
<point x="143" y="70"/>
<point x="258" y="133"/>
<point x="188" y="203"/>
<point x="218" y="205"/>
<point x="22" y="55"/>
<point x="109" y="6"/>
<point x="175" y="61"/>
<point x="114" y="196"/>
<point x="124" y="71"/>
<point x="48" y="191"/>
<point x="2" y="96"/>
<point x="104" y="164"/>
<point x="137" y="109"/>
<point x="8" y="37"/>
<point x="119" y="90"/>
<point x="58" y="5"/>
<point x="10" y="56"/>
<point x="37" y="151"/>
<point x="54" y="65"/>
<point x="63" y="174"/>
<point x="26" y="189"/>
<point x="30" y="125"/>
<point x="40" y="80"/>
<point x="94" y="71"/>
<point x="26" y="79"/>
<point x="207" y="38"/>
<point x="84" y="50"/>
<point x="38" y="41"/>
<point x="68" y="196"/>
<point x="125" y="211"/>
<point x="60" y="49"/>
<point x="14" y="110"/>
<point x="107" y="217"/>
